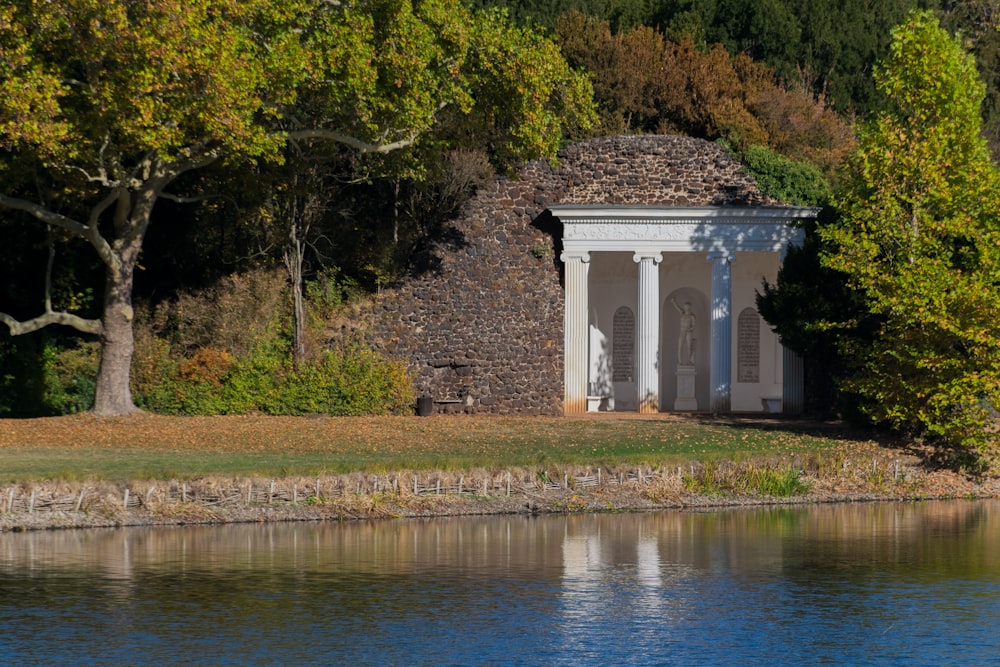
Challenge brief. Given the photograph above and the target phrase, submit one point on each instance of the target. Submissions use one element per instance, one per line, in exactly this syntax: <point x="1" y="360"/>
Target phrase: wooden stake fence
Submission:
<point x="259" y="493"/>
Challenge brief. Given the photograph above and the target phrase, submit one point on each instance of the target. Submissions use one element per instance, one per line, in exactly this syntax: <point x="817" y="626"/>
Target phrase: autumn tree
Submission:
<point x="919" y="239"/>
<point x="645" y="82"/>
<point x="115" y="100"/>
<point x="832" y="43"/>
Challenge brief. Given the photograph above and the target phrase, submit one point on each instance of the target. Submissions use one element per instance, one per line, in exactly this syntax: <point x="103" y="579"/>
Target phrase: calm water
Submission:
<point x="909" y="584"/>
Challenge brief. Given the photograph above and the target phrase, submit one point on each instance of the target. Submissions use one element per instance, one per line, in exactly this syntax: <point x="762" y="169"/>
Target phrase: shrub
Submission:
<point x="22" y="381"/>
<point x="69" y="377"/>
<point x="236" y="314"/>
<point x="227" y="350"/>
<point x="208" y="365"/>
<point x="352" y="381"/>
<point x="791" y="181"/>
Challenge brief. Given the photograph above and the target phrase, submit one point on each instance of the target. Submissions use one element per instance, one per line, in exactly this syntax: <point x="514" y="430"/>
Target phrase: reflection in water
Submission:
<point x="854" y="584"/>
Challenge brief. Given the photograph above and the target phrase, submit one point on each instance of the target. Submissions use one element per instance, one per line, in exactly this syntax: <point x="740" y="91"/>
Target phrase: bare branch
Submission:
<point x="102" y="171"/>
<point x="80" y="324"/>
<point x="18" y="328"/>
<point x="196" y="156"/>
<point x="353" y="142"/>
<point x="101" y="177"/>
<point x="192" y="200"/>
<point x="88" y="232"/>
<point x="45" y="215"/>
<point x="93" y="234"/>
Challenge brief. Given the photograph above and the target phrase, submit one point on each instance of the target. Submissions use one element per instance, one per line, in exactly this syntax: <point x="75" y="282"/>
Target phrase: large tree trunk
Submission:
<point x="132" y="210"/>
<point x="114" y="393"/>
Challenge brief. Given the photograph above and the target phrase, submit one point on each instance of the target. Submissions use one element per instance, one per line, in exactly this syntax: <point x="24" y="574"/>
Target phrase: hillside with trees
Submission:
<point x="828" y="46"/>
<point x="199" y="187"/>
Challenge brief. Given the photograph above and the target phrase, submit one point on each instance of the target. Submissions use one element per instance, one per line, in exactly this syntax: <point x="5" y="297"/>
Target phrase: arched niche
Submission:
<point x="748" y="347"/>
<point x="670" y="320"/>
<point x="623" y="345"/>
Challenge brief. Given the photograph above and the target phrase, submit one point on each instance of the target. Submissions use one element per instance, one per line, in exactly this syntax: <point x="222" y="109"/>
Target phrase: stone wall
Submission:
<point x="484" y="332"/>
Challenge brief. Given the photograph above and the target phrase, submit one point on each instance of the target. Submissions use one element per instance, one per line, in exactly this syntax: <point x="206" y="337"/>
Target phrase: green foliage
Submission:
<point x="69" y="376"/>
<point x="111" y="79"/>
<point x="227" y="350"/>
<point x="827" y="44"/>
<point x="780" y="483"/>
<point x="46" y="376"/>
<point x="817" y="314"/>
<point x="619" y="13"/>
<point x="830" y="43"/>
<point x="114" y="101"/>
<point x="919" y="239"/>
<point x="527" y="98"/>
<point x="353" y="381"/>
<point x="328" y="290"/>
<point x="715" y="478"/>
<point x="978" y="22"/>
<point x="787" y="180"/>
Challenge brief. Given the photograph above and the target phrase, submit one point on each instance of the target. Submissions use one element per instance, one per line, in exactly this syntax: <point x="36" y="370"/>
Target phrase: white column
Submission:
<point x="576" y="332"/>
<point x="721" y="356"/>
<point x="793" y="381"/>
<point x="793" y="393"/>
<point x="648" y="334"/>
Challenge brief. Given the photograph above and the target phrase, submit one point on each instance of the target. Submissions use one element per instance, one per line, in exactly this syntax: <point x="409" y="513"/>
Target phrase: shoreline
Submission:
<point x="60" y="505"/>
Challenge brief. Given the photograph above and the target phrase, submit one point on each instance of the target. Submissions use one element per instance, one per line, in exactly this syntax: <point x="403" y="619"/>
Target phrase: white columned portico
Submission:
<point x="647" y="232"/>
<point x="648" y="334"/>
<point x="576" y="332"/>
<point x="721" y="353"/>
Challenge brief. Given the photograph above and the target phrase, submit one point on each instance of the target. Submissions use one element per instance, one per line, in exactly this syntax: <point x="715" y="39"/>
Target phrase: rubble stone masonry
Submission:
<point x="484" y="332"/>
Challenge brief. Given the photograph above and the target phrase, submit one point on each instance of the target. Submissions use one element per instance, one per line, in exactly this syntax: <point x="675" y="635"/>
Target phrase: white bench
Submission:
<point x="597" y="404"/>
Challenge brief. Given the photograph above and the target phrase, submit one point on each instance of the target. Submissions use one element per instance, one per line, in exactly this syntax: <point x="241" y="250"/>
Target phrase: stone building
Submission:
<point x="620" y="278"/>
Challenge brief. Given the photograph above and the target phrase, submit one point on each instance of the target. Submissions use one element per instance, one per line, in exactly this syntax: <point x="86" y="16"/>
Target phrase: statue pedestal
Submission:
<point x="685" y="389"/>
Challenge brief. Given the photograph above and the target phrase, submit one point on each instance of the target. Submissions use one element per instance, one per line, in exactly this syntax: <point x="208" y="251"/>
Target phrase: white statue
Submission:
<point x="686" y="337"/>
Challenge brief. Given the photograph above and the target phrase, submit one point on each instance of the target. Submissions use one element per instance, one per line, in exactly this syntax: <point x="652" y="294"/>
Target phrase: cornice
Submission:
<point x="673" y="214"/>
<point x="673" y="229"/>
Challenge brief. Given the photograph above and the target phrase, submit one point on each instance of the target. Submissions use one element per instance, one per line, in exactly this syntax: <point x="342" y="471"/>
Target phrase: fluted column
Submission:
<point x="721" y="354"/>
<point x="648" y="325"/>
<point x="793" y="392"/>
<point x="576" y="332"/>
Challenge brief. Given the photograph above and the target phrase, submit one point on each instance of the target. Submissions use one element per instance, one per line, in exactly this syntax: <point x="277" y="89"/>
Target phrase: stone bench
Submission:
<point x="450" y="406"/>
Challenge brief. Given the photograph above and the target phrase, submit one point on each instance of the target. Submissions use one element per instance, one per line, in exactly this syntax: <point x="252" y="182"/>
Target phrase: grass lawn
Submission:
<point x="84" y="447"/>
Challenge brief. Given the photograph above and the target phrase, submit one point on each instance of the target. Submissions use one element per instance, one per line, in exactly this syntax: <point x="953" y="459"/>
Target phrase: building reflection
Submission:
<point x="822" y="583"/>
<point x="654" y="553"/>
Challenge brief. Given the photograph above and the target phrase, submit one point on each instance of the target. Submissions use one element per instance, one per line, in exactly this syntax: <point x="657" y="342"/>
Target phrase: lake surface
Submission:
<point x="888" y="584"/>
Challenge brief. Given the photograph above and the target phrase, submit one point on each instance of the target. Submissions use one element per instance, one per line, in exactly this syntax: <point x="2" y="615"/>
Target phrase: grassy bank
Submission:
<point x="84" y="471"/>
<point x="150" y="447"/>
